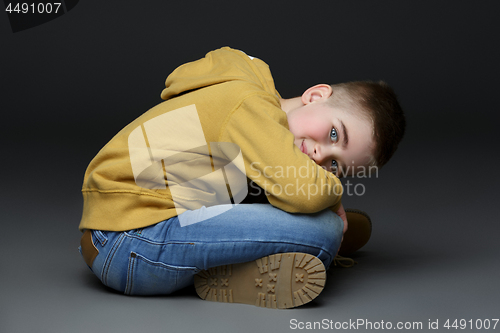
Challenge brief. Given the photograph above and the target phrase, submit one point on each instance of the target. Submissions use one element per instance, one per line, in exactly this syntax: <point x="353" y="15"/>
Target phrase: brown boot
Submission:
<point x="358" y="232"/>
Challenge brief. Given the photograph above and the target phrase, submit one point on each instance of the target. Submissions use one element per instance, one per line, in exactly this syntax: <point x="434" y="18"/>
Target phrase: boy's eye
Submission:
<point x="333" y="135"/>
<point x="334" y="166"/>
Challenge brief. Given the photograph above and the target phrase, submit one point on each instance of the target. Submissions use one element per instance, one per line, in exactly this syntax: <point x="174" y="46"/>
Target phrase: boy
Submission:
<point x="161" y="199"/>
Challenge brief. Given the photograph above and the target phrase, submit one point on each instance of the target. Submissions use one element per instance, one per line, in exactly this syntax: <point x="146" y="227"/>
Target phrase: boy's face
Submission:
<point x="339" y="141"/>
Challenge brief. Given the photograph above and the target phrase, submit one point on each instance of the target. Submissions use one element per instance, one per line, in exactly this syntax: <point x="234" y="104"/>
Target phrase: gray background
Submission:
<point x="69" y="85"/>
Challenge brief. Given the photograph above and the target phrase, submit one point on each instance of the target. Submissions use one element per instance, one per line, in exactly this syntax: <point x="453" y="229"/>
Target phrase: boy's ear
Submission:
<point x="317" y="93"/>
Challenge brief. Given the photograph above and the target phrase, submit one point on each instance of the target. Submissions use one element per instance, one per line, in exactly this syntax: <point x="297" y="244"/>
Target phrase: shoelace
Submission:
<point x="344" y="261"/>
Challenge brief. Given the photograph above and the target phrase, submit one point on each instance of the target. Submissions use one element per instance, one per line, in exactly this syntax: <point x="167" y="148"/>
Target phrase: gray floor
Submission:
<point x="434" y="252"/>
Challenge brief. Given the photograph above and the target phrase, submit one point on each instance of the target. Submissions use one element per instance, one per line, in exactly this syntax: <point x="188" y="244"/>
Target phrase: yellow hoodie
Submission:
<point x="226" y="97"/>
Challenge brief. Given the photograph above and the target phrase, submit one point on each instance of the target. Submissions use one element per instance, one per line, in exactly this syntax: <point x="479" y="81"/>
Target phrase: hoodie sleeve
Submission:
<point x="292" y="181"/>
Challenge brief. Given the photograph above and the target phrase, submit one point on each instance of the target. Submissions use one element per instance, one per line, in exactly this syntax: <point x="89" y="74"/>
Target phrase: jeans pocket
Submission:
<point x="147" y="277"/>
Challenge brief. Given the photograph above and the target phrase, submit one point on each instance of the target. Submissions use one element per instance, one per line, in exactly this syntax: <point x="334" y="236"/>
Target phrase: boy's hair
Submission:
<point x="380" y="105"/>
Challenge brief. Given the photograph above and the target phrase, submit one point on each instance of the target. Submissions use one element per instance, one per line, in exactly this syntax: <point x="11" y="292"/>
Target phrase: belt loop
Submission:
<point x="99" y="235"/>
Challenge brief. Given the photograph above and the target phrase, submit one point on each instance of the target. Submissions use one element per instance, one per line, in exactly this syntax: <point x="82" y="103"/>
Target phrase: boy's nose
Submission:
<point x="318" y="155"/>
<point x="322" y="156"/>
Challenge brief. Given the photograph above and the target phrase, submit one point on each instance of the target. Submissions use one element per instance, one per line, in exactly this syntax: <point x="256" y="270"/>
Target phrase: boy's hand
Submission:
<point x="341" y="212"/>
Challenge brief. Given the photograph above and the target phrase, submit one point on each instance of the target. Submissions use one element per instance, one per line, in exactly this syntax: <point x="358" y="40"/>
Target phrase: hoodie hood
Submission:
<point x="217" y="67"/>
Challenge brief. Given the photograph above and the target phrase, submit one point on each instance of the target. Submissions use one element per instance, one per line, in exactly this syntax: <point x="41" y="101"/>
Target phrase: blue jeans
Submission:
<point x="164" y="257"/>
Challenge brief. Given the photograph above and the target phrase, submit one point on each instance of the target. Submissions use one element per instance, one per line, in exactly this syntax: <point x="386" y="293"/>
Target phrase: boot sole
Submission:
<point x="278" y="281"/>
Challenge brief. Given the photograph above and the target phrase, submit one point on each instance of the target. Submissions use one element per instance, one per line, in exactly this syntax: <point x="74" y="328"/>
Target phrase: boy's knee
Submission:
<point x="332" y="222"/>
<point x="328" y="231"/>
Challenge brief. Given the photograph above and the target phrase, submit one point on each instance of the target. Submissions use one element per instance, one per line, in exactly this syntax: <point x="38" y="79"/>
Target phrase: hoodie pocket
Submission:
<point x="147" y="277"/>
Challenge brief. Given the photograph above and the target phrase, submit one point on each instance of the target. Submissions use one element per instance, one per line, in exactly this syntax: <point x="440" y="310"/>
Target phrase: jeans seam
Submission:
<point x="279" y="242"/>
<point x="228" y="241"/>
<point x="146" y="240"/>
<point x="109" y="258"/>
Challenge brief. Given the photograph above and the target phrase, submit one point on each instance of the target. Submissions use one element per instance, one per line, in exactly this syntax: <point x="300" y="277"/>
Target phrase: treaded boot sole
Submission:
<point x="280" y="281"/>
